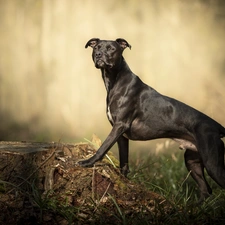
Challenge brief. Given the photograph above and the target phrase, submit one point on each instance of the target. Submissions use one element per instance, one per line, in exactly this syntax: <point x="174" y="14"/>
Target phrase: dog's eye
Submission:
<point x="110" y="48"/>
<point x="97" y="47"/>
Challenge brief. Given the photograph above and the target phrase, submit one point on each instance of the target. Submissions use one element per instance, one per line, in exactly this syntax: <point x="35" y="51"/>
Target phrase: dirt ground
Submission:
<point x="40" y="183"/>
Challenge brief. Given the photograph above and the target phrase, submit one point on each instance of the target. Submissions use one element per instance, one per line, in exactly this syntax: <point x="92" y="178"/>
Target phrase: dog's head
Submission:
<point x="107" y="54"/>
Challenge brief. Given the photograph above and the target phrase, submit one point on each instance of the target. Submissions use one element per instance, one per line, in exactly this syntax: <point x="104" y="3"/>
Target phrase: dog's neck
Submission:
<point x="110" y="75"/>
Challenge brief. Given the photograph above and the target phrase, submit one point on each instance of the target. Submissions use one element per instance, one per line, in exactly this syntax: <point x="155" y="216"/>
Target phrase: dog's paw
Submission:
<point x="125" y="170"/>
<point x="84" y="163"/>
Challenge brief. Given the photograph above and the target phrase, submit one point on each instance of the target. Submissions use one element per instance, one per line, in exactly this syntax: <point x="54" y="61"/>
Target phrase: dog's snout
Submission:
<point x="98" y="54"/>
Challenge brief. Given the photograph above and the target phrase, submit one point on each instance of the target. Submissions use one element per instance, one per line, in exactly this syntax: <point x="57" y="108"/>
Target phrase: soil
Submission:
<point x="40" y="183"/>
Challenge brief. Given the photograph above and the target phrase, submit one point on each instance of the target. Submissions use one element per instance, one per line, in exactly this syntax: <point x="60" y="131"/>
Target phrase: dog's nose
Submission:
<point x="98" y="54"/>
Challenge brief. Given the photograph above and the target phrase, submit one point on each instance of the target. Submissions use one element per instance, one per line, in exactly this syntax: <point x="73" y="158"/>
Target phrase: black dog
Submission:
<point x="138" y="112"/>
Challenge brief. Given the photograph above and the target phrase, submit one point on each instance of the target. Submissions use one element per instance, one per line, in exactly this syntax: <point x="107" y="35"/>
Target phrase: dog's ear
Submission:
<point x="123" y="43"/>
<point x="92" y="42"/>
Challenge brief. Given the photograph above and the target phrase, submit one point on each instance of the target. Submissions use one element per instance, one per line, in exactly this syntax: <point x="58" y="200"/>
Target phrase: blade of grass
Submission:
<point x="107" y="156"/>
<point x="119" y="210"/>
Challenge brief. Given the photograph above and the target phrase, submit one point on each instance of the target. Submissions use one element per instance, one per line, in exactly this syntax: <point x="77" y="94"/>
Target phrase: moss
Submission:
<point x="111" y="159"/>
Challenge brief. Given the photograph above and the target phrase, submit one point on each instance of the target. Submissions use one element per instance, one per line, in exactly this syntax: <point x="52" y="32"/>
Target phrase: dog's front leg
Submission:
<point x="123" y="145"/>
<point x="117" y="130"/>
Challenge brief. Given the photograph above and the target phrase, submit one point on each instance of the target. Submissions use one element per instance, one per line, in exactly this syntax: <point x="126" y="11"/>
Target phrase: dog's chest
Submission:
<point x="109" y="115"/>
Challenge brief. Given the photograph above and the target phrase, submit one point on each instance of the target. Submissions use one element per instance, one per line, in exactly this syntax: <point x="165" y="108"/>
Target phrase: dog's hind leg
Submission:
<point x="195" y="166"/>
<point x="211" y="149"/>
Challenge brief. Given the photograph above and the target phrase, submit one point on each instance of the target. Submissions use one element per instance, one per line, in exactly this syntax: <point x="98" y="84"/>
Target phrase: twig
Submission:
<point x="102" y="197"/>
<point x="93" y="182"/>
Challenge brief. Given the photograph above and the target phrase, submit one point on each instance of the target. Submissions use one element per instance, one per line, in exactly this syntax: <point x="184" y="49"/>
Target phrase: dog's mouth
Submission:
<point x="99" y="63"/>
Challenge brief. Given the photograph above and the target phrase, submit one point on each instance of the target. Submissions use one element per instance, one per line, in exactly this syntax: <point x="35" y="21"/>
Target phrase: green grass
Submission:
<point x="166" y="174"/>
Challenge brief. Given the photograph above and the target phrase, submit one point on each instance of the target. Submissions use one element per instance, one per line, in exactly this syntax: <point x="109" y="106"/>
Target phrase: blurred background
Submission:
<point x="49" y="87"/>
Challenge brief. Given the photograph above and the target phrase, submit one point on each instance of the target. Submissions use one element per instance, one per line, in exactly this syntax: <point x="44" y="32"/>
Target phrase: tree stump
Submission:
<point x="40" y="183"/>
